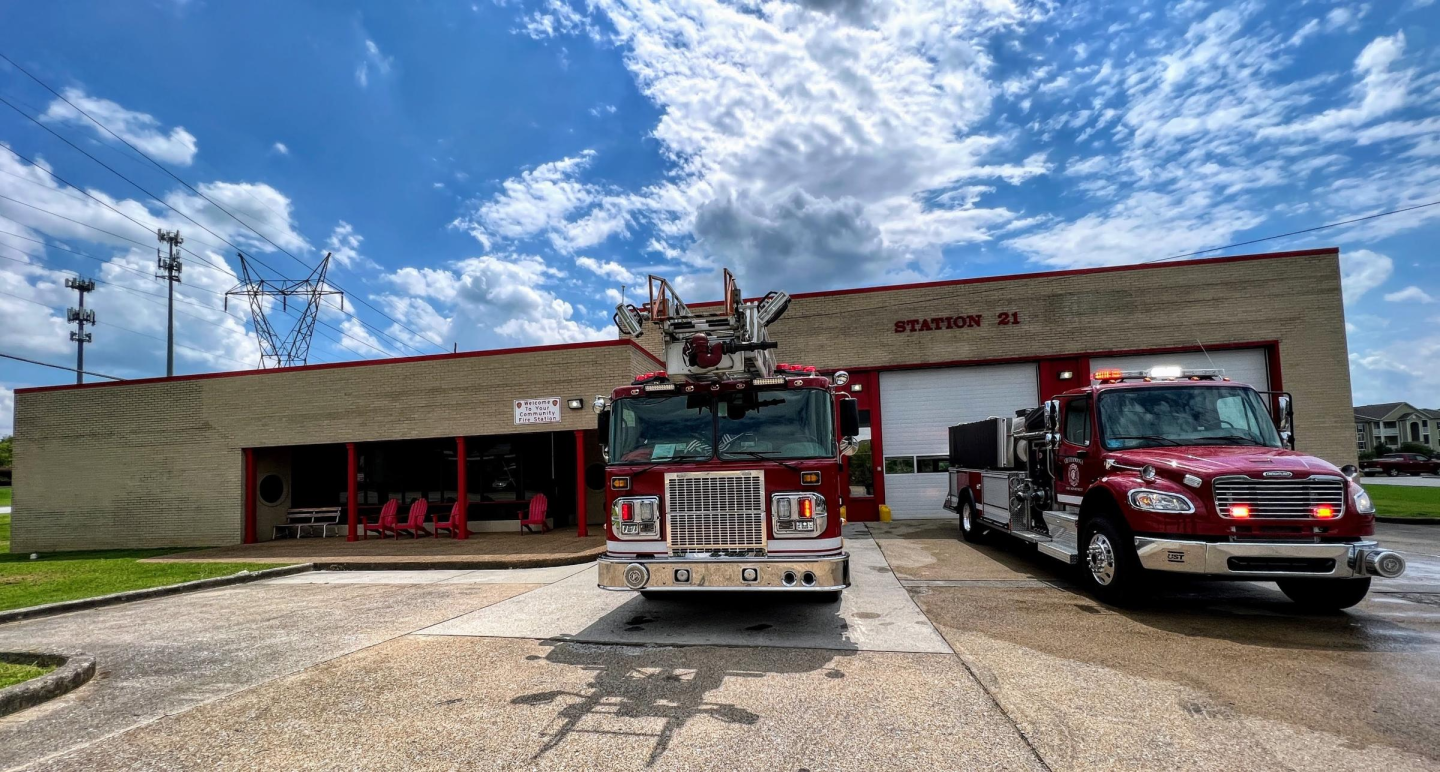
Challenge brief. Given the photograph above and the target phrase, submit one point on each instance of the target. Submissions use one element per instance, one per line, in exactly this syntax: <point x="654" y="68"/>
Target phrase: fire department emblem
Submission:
<point x="1072" y="475"/>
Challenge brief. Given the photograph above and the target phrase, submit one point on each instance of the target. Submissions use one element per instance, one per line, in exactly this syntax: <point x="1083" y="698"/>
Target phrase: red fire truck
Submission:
<point x="1169" y="470"/>
<point x="724" y="471"/>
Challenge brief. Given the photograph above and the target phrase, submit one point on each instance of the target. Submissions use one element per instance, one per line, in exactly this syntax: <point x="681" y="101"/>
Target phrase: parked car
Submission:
<point x="1396" y="464"/>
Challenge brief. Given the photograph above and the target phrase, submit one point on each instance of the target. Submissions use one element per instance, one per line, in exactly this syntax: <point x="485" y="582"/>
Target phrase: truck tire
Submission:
<point x="1109" y="567"/>
<point x="970" y="528"/>
<point x="1325" y="594"/>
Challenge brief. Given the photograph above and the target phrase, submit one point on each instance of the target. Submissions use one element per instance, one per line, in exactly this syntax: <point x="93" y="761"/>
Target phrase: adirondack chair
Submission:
<point x="415" y="523"/>
<point x="457" y="514"/>
<point x="385" y="523"/>
<point x="539" y="507"/>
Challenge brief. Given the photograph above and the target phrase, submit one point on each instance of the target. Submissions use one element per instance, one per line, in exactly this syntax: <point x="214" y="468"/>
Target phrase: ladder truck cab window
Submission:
<point x="1184" y="415"/>
<point x="776" y="424"/>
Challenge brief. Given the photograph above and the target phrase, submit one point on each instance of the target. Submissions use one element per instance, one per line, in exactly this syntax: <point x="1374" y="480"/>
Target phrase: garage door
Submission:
<point x="1240" y="365"/>
<point x="917" y="408"/>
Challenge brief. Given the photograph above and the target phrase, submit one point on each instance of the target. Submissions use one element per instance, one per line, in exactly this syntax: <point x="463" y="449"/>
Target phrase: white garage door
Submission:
<point x="1240" y="365"/>
<point x="917" y="408"/>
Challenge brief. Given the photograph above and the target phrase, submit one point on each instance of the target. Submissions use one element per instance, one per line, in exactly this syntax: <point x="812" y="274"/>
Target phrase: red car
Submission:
<point x="1396" y="464"/>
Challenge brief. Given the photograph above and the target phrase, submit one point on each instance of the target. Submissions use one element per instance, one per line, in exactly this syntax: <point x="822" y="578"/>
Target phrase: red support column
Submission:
<point x="580" y="514"/>
<point x="248" y="529"/>
<point x="462" y="490"/>
<point x="352" y="496"/>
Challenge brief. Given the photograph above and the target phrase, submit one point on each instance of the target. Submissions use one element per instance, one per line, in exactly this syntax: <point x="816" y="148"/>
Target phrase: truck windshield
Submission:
<point x="1211" y="415"/>
<point x="771" y="424"/>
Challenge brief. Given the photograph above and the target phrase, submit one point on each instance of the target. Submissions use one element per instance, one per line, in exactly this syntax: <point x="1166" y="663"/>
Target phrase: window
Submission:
<point x="900" y="465"/>
<point x="932" y="464"/>
<point x="1389" y="425"/>
<point x="1077" y="421"/>
<point x="1185" y="415"/>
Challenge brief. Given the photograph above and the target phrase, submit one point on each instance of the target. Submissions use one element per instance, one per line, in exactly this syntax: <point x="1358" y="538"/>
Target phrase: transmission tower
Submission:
<point x="80" y="316"/>
<point x="169" y="272"/>
<point x="292" y="348"/>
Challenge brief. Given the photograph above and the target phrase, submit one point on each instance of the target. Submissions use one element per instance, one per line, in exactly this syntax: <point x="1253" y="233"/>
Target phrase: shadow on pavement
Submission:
<point x="636" y="687"/>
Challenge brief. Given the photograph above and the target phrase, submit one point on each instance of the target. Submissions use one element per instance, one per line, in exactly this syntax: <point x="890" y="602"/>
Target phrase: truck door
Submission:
<point x="1077" y="463"/>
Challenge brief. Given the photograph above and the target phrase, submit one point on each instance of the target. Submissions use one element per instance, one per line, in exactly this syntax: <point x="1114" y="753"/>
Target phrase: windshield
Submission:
<point x="1209" y="415"/>
<point x="750" y="424"/>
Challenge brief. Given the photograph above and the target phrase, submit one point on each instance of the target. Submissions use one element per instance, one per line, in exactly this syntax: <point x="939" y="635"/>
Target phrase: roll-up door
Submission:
<point x="1247" y="365"/>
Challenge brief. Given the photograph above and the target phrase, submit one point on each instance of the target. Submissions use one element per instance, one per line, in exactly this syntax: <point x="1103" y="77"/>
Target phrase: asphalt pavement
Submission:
<point x="944" y="655"/>
<point x="1423" y="481"/>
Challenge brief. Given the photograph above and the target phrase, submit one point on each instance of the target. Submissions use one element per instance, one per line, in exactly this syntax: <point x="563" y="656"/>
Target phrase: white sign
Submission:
<point x="537" y="411"/>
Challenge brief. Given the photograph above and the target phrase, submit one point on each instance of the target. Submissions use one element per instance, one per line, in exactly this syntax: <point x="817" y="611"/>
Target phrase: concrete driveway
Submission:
<point x="943" y="656"/>
<point x="1423" y="481"/>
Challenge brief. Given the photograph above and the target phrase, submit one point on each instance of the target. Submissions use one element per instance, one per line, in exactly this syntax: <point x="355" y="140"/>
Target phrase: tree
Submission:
<point x="7" y="451"/>
<point x="1383" y="449"/>
<point x="1416" y="447"/>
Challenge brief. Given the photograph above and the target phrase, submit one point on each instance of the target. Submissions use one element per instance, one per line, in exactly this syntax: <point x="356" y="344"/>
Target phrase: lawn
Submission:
<point x="5" y="496"/>
<point x="58" y="576"/>
<point x="1404" y="500"/>
<point x="14" y="674"/>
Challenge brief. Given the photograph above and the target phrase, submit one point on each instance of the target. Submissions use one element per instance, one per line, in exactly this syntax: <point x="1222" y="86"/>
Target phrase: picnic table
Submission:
<point x="301" y="518"/>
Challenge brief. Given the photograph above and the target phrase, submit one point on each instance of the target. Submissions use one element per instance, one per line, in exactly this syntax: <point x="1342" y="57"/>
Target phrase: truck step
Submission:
<point x="1064" y="536"/>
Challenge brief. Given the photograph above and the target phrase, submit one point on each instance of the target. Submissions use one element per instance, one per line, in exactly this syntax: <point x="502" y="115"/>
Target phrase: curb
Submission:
<point x="72" y="671"/>
<point x="461" y="564"/>
<point x="64" y="607"/>
<point x="1409" y="520"/>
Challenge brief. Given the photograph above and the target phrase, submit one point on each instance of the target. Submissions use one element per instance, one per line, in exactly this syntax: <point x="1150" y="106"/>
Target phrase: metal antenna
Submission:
<point x="170" y="274"/>
<point x="293" y="348"/>
<point x="80" y="316"/>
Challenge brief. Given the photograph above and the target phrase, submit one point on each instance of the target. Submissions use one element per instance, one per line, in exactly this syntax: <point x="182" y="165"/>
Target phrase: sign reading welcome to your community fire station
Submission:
<point x="537" y="411"/>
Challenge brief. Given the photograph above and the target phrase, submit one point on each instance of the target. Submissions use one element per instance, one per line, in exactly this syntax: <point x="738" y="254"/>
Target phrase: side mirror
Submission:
<point x="1052" y="414"/>
<point x="602" y="425"/>
<point x="849" y="417"/>
<point x="1285" y="412"/>
<point x="848" y="446"/>
<point x="1351" y="471"/>
<point x="595" y="477"/>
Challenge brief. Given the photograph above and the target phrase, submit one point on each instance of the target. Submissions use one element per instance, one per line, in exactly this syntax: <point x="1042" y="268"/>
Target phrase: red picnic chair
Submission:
<point x="539" y="507"/>
<point x="385" y="523"/>
<point x="415" y="523"/>
<point x="457" y="514"/>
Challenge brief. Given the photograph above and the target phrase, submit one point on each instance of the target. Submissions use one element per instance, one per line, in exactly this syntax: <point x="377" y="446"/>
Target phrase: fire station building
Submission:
<point x="221" y="458"/>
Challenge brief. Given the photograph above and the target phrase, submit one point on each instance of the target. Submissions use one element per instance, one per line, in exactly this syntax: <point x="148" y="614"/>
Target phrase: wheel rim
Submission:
<point x="965" y="517"/>
<point x="1100" y="559"/>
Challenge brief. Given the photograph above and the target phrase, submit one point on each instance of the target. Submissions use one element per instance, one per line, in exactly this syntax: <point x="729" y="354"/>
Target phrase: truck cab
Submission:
<point x="724" y="471"/>
<point x="1176" y="471"/>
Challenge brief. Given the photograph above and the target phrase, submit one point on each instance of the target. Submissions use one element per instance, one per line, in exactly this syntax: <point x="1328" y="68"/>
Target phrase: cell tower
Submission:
<point x="293" y="348"/>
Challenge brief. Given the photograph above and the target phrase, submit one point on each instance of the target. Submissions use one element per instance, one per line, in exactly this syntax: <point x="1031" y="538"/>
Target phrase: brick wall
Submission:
<point x="159" y="463"/>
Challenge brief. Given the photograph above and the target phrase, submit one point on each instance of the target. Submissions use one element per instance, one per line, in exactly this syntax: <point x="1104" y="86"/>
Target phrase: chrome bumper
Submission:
<point x="1268" y="560"/>
<point x="816" y="575"/>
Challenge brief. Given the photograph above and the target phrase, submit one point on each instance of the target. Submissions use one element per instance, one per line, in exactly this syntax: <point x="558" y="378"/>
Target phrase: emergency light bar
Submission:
<point x="1160" y="373"/>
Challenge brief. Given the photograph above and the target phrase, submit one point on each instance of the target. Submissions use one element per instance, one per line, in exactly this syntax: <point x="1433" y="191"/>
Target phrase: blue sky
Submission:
<point x="489" y="173"/>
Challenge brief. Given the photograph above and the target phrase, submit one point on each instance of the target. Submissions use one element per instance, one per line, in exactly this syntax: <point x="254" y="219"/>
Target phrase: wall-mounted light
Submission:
<point x="575" y="404"/>
<point x="1066" y="375"/>
<point x="856" y="388"/>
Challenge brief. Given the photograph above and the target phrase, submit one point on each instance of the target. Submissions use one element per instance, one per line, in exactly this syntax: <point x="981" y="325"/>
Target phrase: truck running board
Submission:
<point x="1060" y="543"/>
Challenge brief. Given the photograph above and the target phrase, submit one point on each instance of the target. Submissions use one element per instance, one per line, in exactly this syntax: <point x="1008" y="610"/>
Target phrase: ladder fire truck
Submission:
<point x="725" y="470"/>
<point x="1174" y="471"/>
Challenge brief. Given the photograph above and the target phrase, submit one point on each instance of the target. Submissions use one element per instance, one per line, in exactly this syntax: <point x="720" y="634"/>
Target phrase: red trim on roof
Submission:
<point x="1054" y="274"/>
<point x="355" y="363"/>
<point x="1271" y="347"/>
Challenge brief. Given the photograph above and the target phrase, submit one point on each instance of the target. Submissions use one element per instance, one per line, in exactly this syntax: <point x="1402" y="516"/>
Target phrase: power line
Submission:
<point x="58" y="367"/>
<point x="187" y="185"/>
<point x="1295" y="233"/>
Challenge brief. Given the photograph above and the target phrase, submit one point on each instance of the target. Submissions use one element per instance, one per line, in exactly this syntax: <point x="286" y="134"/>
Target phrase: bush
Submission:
<point x="1416" y="447"/>
<point x="1383" y="449"/>
<point x="1367" y="455"/>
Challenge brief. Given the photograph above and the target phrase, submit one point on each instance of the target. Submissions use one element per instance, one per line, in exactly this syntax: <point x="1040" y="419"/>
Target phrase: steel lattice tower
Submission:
<point x="293" y="348"/>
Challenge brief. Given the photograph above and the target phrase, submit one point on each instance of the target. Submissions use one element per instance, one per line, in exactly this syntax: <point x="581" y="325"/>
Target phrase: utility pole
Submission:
<point x="80" y="316"/>
<point x="170" y="274"/>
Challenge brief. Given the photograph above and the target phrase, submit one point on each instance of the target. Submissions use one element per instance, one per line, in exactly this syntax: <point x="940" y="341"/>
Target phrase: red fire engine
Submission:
<point x="725" y="470"/>
<point x="1170" y="470"/>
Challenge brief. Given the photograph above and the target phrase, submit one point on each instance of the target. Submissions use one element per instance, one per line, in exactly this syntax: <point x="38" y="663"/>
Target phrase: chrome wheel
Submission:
<point x="1100" y="559"/>
<point x="965" y="517"/>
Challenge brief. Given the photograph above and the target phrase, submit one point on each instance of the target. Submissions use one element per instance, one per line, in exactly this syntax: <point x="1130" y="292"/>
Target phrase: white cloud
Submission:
<point x="344" y="246"/>
<point x="1362" y="270"/>
<point x="602" y="110"/>
<point x="550" y="201"/>
<point x="280" y="148"/>
<point x="608" y="269"/>
<point x="139" y="129"/>
<point x="1380" y="90"/>
<point x="262" y="208"/>
<point x="7" y="412"/>
<point x="1410" y="294"/>
<point x="372" y="61"/>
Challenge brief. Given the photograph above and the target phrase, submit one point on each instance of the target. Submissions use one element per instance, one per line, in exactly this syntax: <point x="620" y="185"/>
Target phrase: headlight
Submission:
<point x="797" y="515"/>
<point x="635" y="517"/>
<point x="1363" y="504"/>
<point x="1159" y="501"/>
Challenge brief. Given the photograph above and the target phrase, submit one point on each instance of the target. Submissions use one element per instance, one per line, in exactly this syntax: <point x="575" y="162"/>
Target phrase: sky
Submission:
<point x="489" y="173"/>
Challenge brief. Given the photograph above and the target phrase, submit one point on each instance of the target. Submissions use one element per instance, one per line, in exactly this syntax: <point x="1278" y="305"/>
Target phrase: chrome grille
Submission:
<point x="715" y="510"/>
<point x="1280" y="497"/>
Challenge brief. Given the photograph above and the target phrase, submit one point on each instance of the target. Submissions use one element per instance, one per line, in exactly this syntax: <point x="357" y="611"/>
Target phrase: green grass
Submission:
<point x="1404" y="500"/>
<point x="58" y="576"/>
<point x="14" y="674"/>
<point x="4" y="534"/>
<point x="5" y="496"/>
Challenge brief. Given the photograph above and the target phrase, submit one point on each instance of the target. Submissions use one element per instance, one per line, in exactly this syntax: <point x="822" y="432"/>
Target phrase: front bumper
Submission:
<point x="816" y="575"/>
<point x="1268" y="560"/>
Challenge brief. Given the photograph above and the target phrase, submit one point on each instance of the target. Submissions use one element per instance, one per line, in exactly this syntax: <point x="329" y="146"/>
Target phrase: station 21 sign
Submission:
<point x="537" y="411"/>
